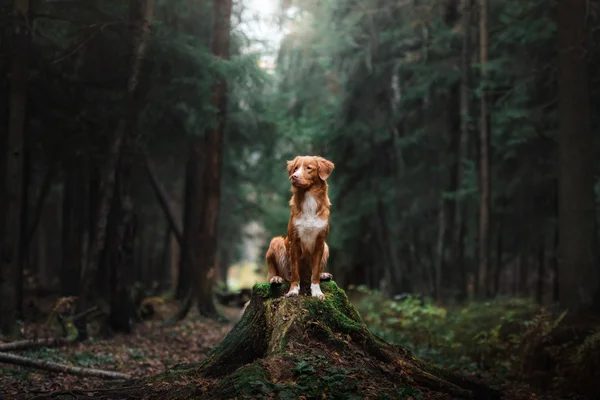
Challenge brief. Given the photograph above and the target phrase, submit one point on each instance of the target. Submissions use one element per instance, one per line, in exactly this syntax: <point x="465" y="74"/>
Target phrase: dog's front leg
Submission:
<point x="294" y="271"/>
<point x="316" y="262"/>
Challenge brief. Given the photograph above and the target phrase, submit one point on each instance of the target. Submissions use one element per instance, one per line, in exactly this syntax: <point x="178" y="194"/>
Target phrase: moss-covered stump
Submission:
<point x="307" y="348"/>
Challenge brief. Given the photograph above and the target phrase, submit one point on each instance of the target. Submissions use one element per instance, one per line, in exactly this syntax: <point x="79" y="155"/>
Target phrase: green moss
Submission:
<point x="268" y="291"/>
<point x="262" y="290"/>
<point x="251" y="380"/>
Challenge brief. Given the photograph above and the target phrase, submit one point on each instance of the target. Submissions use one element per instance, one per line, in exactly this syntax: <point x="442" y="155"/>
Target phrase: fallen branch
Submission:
<point x="32" y="343"/>
<point x="9" y="358"/>
<point x="90" y="393"/>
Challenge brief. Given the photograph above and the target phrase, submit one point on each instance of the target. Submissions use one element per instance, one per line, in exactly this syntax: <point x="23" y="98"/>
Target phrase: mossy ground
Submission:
<point x="307" y="348"/>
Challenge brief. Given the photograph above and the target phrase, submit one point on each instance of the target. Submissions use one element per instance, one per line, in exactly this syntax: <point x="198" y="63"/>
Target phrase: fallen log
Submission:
<point x="14" y="359"/>
<point x="33" y="343"/>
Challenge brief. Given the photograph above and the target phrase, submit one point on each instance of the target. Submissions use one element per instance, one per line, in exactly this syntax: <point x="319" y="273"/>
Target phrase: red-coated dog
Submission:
<point x="302" y="255"/>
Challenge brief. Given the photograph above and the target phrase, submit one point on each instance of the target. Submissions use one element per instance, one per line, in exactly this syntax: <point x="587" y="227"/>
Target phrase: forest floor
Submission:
<point x="155" y="346"/>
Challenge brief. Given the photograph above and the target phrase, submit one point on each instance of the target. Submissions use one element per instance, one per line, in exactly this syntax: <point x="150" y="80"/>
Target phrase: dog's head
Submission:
<point x="305" y="171"/>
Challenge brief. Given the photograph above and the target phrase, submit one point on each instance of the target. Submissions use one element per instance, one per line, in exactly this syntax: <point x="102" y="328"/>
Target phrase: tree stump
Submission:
<point x="302" y="347"/>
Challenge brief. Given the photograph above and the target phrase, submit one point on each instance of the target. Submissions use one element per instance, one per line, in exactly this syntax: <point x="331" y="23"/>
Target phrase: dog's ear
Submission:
<point x="291" y="164"/>
<point x="324" y="167"/>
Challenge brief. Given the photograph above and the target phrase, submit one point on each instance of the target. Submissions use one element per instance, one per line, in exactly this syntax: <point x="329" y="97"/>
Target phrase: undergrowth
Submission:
<point x="506" y="339"/>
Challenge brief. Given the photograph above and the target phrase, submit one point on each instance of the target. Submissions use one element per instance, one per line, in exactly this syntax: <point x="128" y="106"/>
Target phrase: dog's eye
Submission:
<point x="309" y="168"/>
<point x="296" y="169"/>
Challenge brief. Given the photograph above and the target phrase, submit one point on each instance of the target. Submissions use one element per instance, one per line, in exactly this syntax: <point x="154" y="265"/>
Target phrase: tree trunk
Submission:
<point x="122" y="134"/>
<point x="483" y="286"/>
<point x="24" y="217"/>
<point x="192" y="198"/>
<point x="578" y="266"/>
<point x="163" y="200"/>
<point x="439" y="250"/>
<point x="541" y="274"/>
<point x="458" y="243"/>
<point x="11" y="233"/>
<point x="499" y="254"/>
<point x="122" y="308"/>
<point x="73" y="225"/>
<point x="206" y="250"/>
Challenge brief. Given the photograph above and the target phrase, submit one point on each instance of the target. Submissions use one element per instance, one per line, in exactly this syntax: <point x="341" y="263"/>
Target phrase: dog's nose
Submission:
<point x="294" y="177"/>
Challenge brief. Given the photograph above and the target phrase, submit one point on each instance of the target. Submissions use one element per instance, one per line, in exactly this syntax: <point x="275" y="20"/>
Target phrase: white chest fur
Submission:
<point x="309" y="225"/>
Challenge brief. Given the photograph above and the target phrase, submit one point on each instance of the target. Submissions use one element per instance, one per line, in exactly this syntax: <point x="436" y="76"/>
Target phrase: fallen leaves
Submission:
<point x="150" y="349"/>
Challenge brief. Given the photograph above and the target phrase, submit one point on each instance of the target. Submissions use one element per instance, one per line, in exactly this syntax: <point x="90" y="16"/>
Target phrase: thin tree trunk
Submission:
<point x="577" y="215"/>
<point x="73" y="225"/>
<point x="206" y="250"/>
<point x="499" y="258"/>
<point x="439" y="251"/>
<point x="23" y="243"/>
<point x="191" y="200"/>
<point x="124" y="129"/>
<point x="161" y="195"/>
<point x="122" y="308"/>
<point x="485" y="175"/>
<point x="11" y="233"/>
<point x="38" y="209"/>
<point x="541" y="274"/>
<point x="555" y="267"/>
<point x="461" y="153"/>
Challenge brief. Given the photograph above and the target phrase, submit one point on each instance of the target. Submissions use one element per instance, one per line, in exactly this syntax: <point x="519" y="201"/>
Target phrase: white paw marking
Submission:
<point x="276" y="280"/>
<point x="326" y="276"/>
<point x="293" y="292"/>
<point x="315" y="291"/>
<point x="309" y="225"/>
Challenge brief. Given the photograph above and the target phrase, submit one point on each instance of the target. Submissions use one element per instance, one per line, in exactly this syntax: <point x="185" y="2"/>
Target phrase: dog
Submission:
<point x="303" y="254"/>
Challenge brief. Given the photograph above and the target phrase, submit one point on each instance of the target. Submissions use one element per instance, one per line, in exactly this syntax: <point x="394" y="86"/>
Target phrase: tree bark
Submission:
<point x="13" y="180"/>
<point x="163" y="199"/>
<point x="73" y="224"/>
<point x="122" y="309"/>
<point x="459" y="224"/>
<point x="125" y="127"/>
<point x="206" y="251"/>
<point x="483" y="285"/>
<point x="577" y="218"/>
<point x="541" y="274"/>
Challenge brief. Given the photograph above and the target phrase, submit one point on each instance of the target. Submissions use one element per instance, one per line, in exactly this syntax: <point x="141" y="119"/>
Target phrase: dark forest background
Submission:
<point x="140" y="139"/>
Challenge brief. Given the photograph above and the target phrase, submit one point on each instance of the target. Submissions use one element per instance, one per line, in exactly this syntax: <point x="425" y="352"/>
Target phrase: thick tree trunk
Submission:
<point x="13" y="180"/>
<point x="206" y="250"/>
<point x="577" y="246"/>
<point x="483" y="285"/>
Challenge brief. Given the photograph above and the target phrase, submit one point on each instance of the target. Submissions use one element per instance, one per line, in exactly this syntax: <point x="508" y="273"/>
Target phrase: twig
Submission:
<point x="61" y="368"/>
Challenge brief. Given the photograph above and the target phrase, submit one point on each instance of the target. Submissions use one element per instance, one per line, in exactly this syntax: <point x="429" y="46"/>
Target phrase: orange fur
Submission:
<point x="303" y="254"/>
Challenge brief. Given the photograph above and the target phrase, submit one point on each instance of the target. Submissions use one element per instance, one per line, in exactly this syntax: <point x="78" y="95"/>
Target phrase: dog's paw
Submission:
<point x="326" y="276"/>
<point x="315" y="291"/>
<point x="293" y="292"/>
<point x="276" y="280"/>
